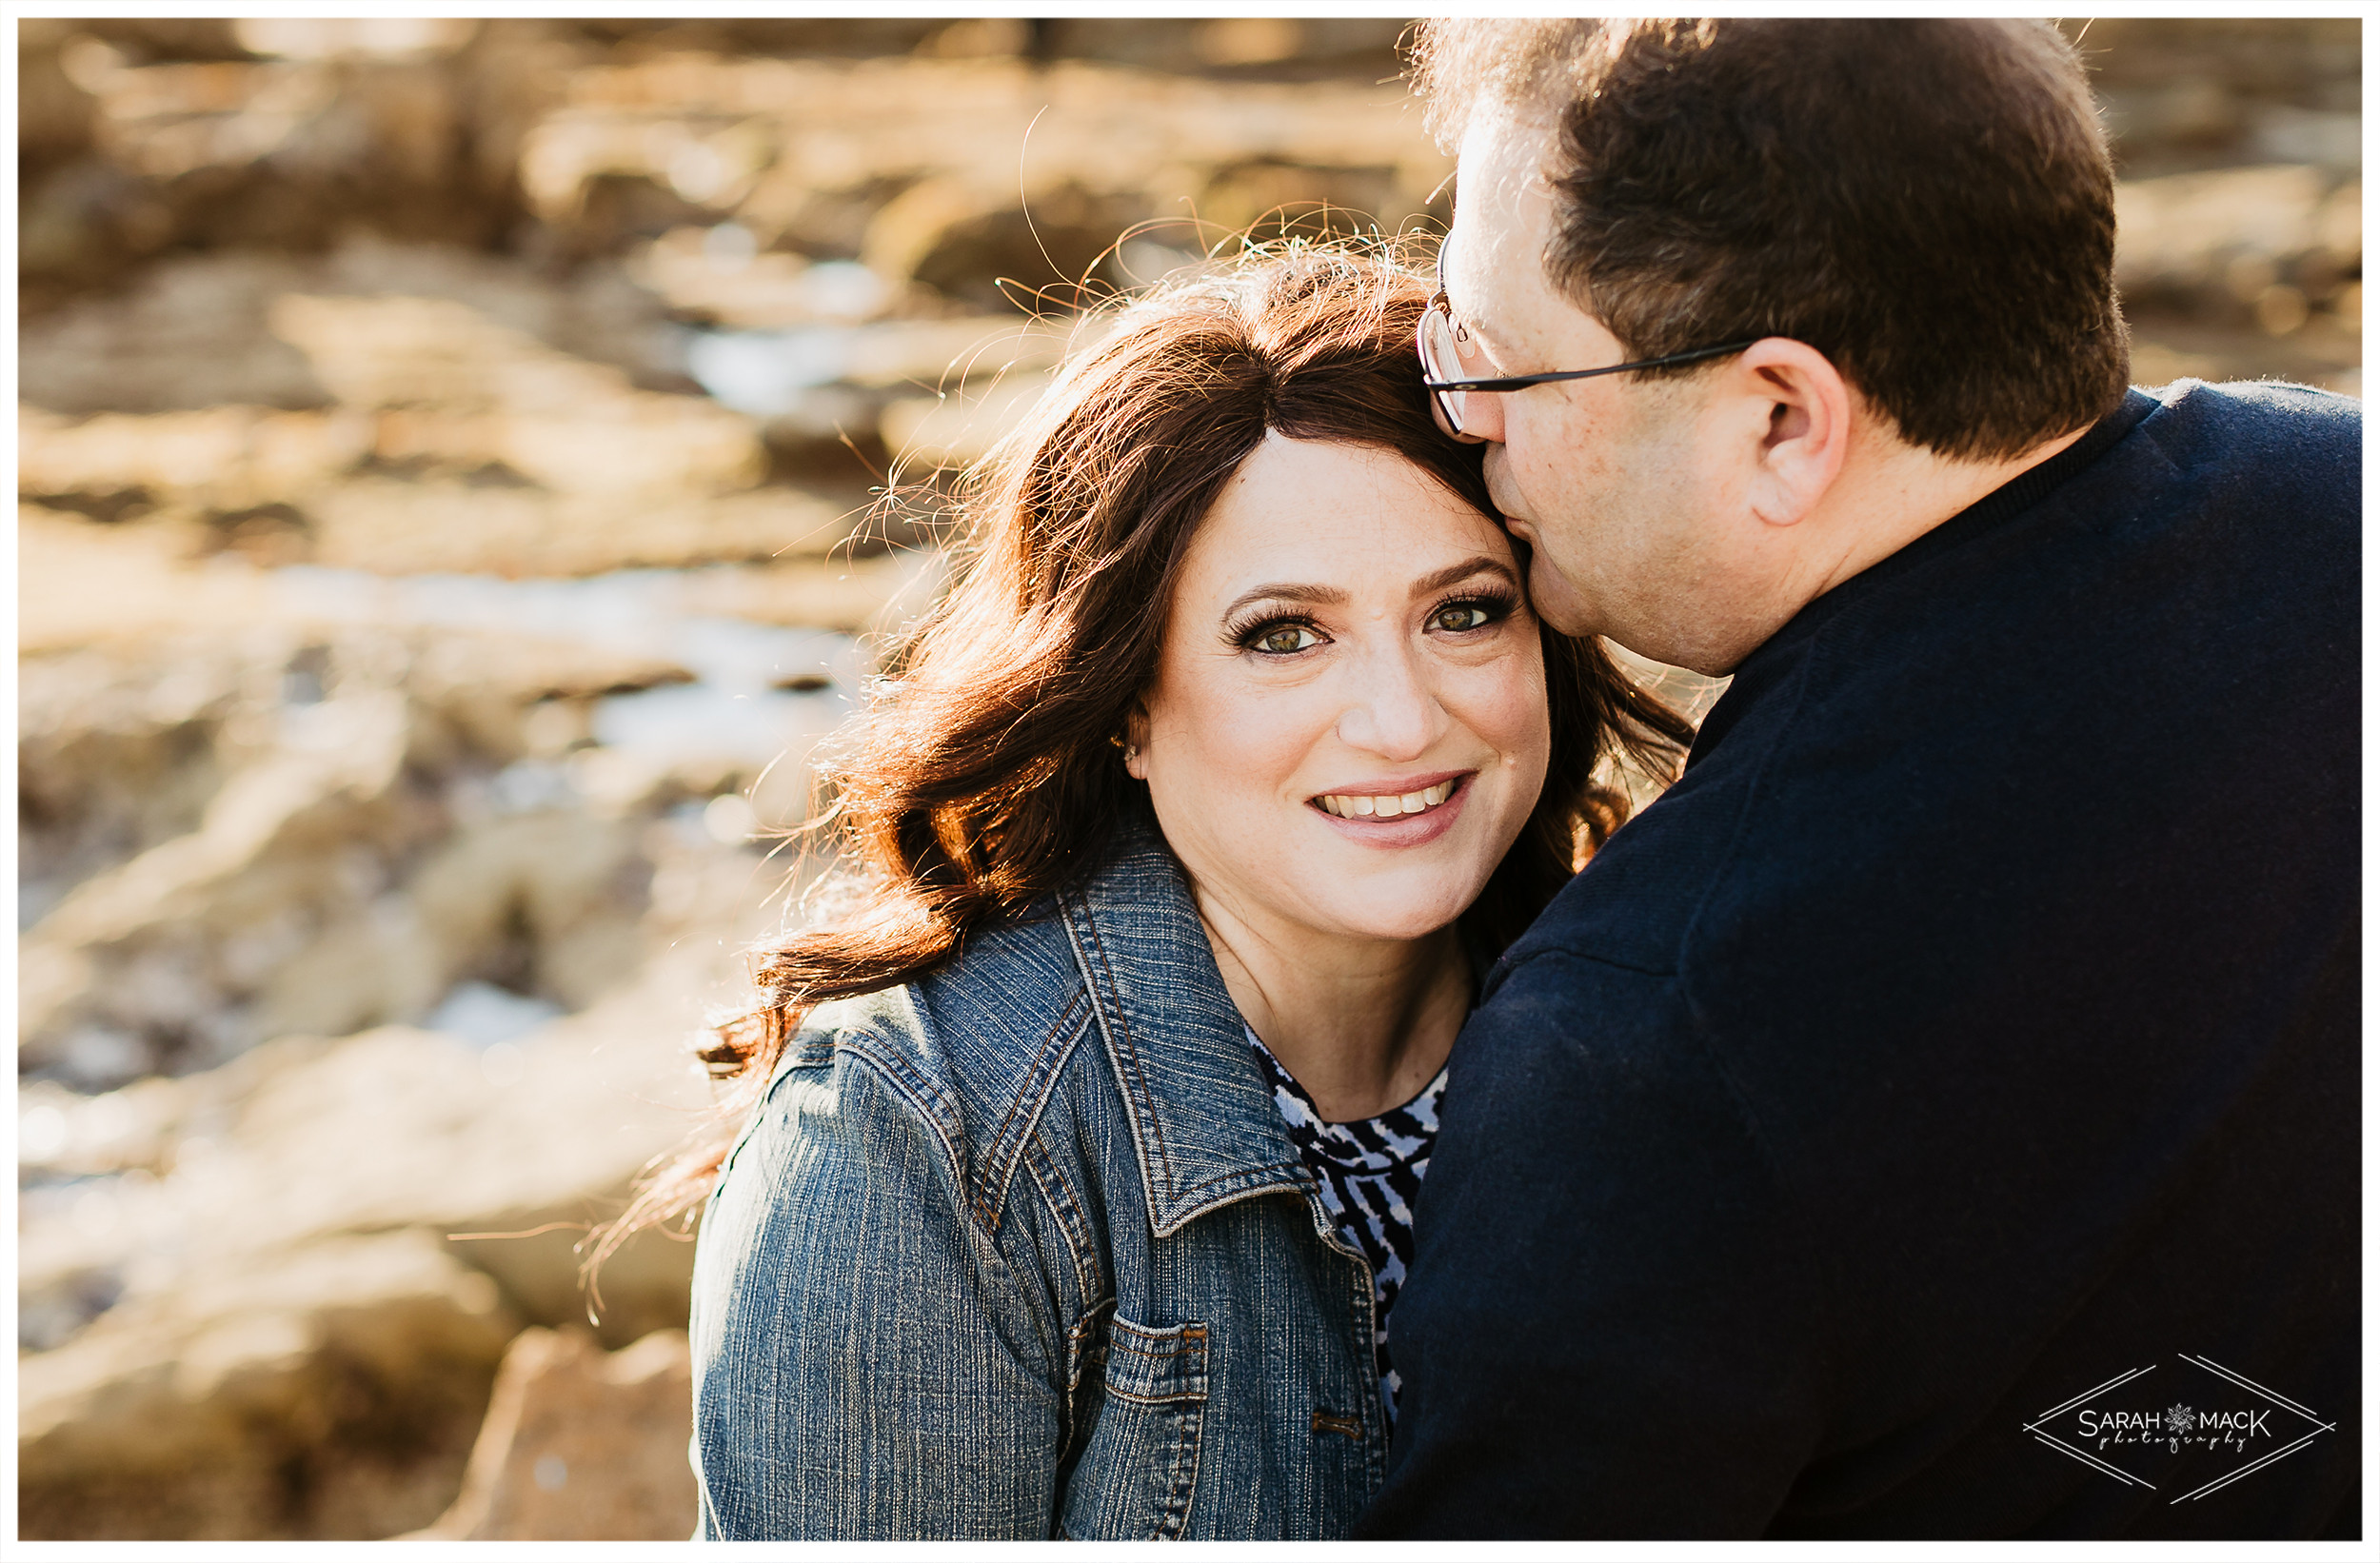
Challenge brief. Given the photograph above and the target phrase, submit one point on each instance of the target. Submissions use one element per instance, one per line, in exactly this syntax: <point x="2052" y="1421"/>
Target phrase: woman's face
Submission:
<point x="1348" y="724"/>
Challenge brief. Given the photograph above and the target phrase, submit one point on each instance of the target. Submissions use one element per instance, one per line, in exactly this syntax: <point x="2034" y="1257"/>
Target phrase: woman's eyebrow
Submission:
<point x="1284" y="592"/>
<point x="1482" y="564"/>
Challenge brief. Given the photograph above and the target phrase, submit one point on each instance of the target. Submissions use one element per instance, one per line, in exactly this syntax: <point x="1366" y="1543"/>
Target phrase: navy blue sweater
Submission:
<point x="1974" y="1024"/>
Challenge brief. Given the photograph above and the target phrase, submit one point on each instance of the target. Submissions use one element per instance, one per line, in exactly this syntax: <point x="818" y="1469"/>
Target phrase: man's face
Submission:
<point x="1599" y="477"/>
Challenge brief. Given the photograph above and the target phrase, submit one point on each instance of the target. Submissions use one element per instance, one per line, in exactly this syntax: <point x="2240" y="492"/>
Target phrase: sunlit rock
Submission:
<point x="328" y="1390"/>
<point x="581" y="1445"/>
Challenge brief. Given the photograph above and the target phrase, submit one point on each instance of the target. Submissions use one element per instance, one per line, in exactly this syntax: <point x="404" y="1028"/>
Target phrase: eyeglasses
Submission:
<point x="1439" y="342"/>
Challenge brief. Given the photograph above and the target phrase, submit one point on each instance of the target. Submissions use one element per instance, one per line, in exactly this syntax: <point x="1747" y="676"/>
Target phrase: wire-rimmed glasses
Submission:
<point x="1438" y="340"/>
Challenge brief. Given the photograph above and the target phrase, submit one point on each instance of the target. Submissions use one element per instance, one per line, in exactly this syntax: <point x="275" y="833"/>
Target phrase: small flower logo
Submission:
<point x="2179" y="1420"/>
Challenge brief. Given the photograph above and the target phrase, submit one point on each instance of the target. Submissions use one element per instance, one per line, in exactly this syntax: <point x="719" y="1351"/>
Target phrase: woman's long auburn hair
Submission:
<point x="985" y="776"/>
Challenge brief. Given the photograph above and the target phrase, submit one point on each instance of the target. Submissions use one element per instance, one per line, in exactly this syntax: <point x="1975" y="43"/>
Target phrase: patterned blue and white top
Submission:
<point x="1369" y="1172"/>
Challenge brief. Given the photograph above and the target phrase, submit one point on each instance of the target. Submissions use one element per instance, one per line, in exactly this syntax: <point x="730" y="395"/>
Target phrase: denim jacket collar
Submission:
<point x="1206" y="1129"/>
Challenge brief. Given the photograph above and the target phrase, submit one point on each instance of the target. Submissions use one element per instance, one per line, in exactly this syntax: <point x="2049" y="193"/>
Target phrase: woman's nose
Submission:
<point x="1394" y="714"/>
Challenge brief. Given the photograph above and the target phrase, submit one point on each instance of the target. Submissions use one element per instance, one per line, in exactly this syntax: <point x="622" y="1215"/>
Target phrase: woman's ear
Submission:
<point x="1137" y="742"/>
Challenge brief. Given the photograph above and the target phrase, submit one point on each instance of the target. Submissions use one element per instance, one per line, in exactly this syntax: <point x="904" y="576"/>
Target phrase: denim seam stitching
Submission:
<point x="1084" y="1330"/>
<point x="1185" y="1398"/>
<point x="1248" y="1172"/>
<point x="915" y="1088"/>
<point x="1131" y="1047"/>
<point x="1254" y="1190"/>
<point x="1126" y="1054"/>
<point x="1176" y="1520"/>
<point x="751" y="1127"/>
<point x="989" y="1195"/>
<point x="1079" y="928"/>
<point x="1074" y="1228"/>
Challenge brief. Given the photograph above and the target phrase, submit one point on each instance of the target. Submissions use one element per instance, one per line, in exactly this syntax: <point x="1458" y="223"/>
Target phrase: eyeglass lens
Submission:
<point x="1440" y="361"/>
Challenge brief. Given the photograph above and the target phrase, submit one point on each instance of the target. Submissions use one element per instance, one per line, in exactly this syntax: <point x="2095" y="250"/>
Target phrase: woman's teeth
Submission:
<point x="1348" y="807"/>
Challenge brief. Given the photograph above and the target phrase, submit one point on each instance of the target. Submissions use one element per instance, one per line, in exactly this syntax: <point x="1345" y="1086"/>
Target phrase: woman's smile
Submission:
<point x="1407" y="812"/>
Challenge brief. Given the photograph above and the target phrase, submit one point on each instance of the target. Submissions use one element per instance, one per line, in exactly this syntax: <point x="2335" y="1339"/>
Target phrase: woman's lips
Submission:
<point x="1384" y="805"/>
<point x="1410" y="818"/>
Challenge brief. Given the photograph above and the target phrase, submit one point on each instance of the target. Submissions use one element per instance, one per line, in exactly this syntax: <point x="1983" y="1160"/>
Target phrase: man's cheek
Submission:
<point x="1555" y="599"/>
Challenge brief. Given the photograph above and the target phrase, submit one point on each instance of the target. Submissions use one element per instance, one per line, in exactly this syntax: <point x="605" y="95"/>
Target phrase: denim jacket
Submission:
<point x="1023" y="1249"/>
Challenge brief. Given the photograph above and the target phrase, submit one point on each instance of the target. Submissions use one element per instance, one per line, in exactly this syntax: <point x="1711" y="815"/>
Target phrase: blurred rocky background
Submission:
<point x="453" y="470"/>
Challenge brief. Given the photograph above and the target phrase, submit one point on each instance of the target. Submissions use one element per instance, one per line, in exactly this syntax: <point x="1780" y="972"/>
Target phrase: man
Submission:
<point x="1975" y="1021"/>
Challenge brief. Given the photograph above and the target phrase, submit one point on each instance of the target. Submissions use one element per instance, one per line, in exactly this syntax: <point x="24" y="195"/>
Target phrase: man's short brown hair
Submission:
<point x="1930" y="204"/>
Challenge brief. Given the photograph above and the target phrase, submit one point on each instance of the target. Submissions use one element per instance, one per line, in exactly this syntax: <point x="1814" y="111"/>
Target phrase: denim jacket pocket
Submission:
<point x="1140" y="1467"/>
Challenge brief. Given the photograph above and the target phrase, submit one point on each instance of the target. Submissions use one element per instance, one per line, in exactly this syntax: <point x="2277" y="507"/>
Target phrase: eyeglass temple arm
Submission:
<point x="1521" y="382"/>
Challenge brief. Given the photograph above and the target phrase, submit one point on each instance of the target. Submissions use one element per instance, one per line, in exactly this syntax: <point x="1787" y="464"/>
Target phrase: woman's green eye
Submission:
<point x="1461" y="616"/>
<point x="1283" y="639"/>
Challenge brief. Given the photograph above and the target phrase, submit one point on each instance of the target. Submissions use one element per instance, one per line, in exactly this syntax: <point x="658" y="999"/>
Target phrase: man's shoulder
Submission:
<point x="2270" y="400"/>
<point x="2262" y="425"/>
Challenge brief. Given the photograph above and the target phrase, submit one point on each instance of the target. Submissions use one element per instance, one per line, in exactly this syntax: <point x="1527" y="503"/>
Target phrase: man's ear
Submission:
<point x="1806" y="407"/>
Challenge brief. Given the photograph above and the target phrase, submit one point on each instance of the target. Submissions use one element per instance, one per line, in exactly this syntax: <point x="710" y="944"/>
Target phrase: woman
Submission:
<point x="1074" y="1198"/>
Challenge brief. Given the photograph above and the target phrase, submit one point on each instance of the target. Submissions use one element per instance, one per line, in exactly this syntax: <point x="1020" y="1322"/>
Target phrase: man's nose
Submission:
<point x="1484" y="417"/>
<point x="1437" y="414"/>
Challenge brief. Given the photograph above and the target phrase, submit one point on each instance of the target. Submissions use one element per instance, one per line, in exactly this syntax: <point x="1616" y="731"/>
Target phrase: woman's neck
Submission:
<point x="1361" y="1023"/>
